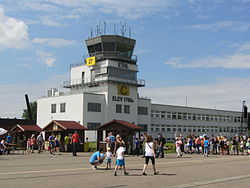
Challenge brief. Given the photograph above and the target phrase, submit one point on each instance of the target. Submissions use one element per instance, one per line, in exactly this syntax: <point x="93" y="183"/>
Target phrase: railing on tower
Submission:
<point x="113" y="54"/>
<point x="101" y="79"/>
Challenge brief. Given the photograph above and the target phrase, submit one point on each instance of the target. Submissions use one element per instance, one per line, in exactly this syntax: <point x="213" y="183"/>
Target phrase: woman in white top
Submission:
<point x="149" y="154"/>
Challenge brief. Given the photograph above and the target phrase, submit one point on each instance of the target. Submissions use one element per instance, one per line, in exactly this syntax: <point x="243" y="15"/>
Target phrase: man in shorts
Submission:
<point x="96" y="159"/>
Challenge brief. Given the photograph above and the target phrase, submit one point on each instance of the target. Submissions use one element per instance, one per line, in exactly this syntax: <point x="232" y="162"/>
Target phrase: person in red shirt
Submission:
<point x="75" y="140"/>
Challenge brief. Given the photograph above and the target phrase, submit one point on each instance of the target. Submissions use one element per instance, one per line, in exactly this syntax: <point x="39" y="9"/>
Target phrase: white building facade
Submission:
<point x="105" y="87"/>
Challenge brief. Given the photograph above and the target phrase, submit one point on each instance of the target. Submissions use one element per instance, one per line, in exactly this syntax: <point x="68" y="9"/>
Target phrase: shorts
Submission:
<point x="108" y="161"/>
<point x="147" y="160"/>
<point x="120" y="162"/>
<point x="96" y="161"/>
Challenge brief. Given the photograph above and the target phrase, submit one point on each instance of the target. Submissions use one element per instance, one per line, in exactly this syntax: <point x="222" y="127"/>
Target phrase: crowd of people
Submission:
<point x="54" y="144"/>
<point x="216" y="145"/>
<point x="145" y="145"/>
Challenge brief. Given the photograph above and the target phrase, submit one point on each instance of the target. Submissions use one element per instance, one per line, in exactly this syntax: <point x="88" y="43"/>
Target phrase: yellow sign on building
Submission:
<point x="123" y="90"/>
<point x="91" y="61"/>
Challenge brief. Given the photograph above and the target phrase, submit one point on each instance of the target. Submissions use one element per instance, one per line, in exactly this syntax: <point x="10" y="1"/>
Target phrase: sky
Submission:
<point x="190" y="52"/>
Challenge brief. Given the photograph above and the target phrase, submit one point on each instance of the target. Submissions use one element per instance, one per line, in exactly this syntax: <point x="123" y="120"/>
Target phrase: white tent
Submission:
<point x="3" y="131"/>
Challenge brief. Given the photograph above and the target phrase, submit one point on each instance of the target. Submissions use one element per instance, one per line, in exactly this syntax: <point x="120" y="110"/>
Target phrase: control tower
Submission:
<point x="110" y="60"/>
<point x="103" y="87"/>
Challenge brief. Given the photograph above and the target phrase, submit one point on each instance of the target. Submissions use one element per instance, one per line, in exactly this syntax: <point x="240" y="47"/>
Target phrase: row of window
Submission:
<point x="62" y="108"/>
<point x="97" y="107"/>
<point x="92" y="126"/>
<point x="126" y="109"/>
<point x="94" y="107"/>
<point x="189" y="116"/>
<point x="199" y="130"/>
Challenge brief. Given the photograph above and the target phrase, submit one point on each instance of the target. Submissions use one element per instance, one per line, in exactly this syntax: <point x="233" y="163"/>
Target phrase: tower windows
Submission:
<point x="142" y="110"/>
<point x="94" y="107"/>
<point x="63" y="107"/>
<point x="126" y="109"/>
<point x="118" y="108"/>
<point x="53" y="108"/>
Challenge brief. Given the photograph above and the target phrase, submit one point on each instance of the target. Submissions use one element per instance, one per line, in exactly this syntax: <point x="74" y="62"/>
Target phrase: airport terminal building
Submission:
<point x="105" y="87"/>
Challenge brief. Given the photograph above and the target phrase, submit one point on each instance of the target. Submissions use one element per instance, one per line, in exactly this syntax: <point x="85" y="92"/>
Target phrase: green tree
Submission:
<point x="33" y="109"/>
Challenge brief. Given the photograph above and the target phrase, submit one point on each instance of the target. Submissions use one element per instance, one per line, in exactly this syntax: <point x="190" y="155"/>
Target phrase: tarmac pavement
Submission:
<point x="44" y="170"/>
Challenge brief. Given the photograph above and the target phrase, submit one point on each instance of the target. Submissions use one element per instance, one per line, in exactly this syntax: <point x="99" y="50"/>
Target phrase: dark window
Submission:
<point x="174" y="129"/>
<point x="142" y="110"/>
<point x="98" y="47"/>
<point x="126" y="109"/>
<point x="118" y="108"/>
<point x="144" y="127"/>
<point x="62" y="107"/>
<point x="173" y="116"/>
<point x="92" y="126"/>
<point x="168" y="129"/>
<point x="109" y="46"/>
<point x="91" y="49"/>
<point x="179" y="116"/>
<point x="83" y="73"/>
<point x="94" y="107"/>
<point x="53" y="108"/>
<point x="124" y="50"/>
<point x="179" y="129"/>
<point x="162" y="129"/>
<point x="122" y="73"/>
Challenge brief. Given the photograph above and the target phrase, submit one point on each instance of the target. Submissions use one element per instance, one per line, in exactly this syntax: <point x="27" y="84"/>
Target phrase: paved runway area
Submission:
<point x="44" y="170"/>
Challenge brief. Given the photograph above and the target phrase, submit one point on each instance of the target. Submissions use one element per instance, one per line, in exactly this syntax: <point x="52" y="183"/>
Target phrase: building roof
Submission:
<point x="120" y="122"/>
<point x="8" y="123"/>
<point x="66" y="125"/>
<point x="23" y="128"/>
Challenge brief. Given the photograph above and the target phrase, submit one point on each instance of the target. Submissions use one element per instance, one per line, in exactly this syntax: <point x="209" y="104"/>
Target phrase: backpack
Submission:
<point x="163" y="141"/>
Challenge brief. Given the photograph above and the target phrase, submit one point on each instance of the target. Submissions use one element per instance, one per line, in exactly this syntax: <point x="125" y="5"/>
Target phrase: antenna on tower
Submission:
<point x="104" y="27"/>
<point x="114" y="30"/>
<point x="91" y="32"/>
<point x="123" y="28"/>
<point x="129" y="32"/>
<point x="98" y="29"/>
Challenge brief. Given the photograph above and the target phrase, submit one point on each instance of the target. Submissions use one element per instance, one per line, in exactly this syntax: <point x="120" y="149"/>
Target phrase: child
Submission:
<point x="178" y="143"/>
<point x="29" y="145"/>
<point x="108" y="156"/>
<point x="206" y="146"/>
<point x="120" y="160"/>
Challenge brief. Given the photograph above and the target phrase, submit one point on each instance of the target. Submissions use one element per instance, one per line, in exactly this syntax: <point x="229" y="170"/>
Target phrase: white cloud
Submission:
<point x="244" y="47"/>
<point x="240" y="59"/>
<point x="235" y="61"/>
<point x="232" y="25"/>
<point x="46" y="58"/>
<point x="128" y="9"/>
<point x="226" y="94"/>
<point x="174" y="61"/>
<point x="51" y="21"/>
<point x="15" y="93"/>
<point x="54" y="42"/>
<point x="13" y="32"/>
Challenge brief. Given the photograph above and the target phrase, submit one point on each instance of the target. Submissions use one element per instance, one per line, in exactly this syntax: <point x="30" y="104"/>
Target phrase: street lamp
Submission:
<point x="242" y="116"/>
